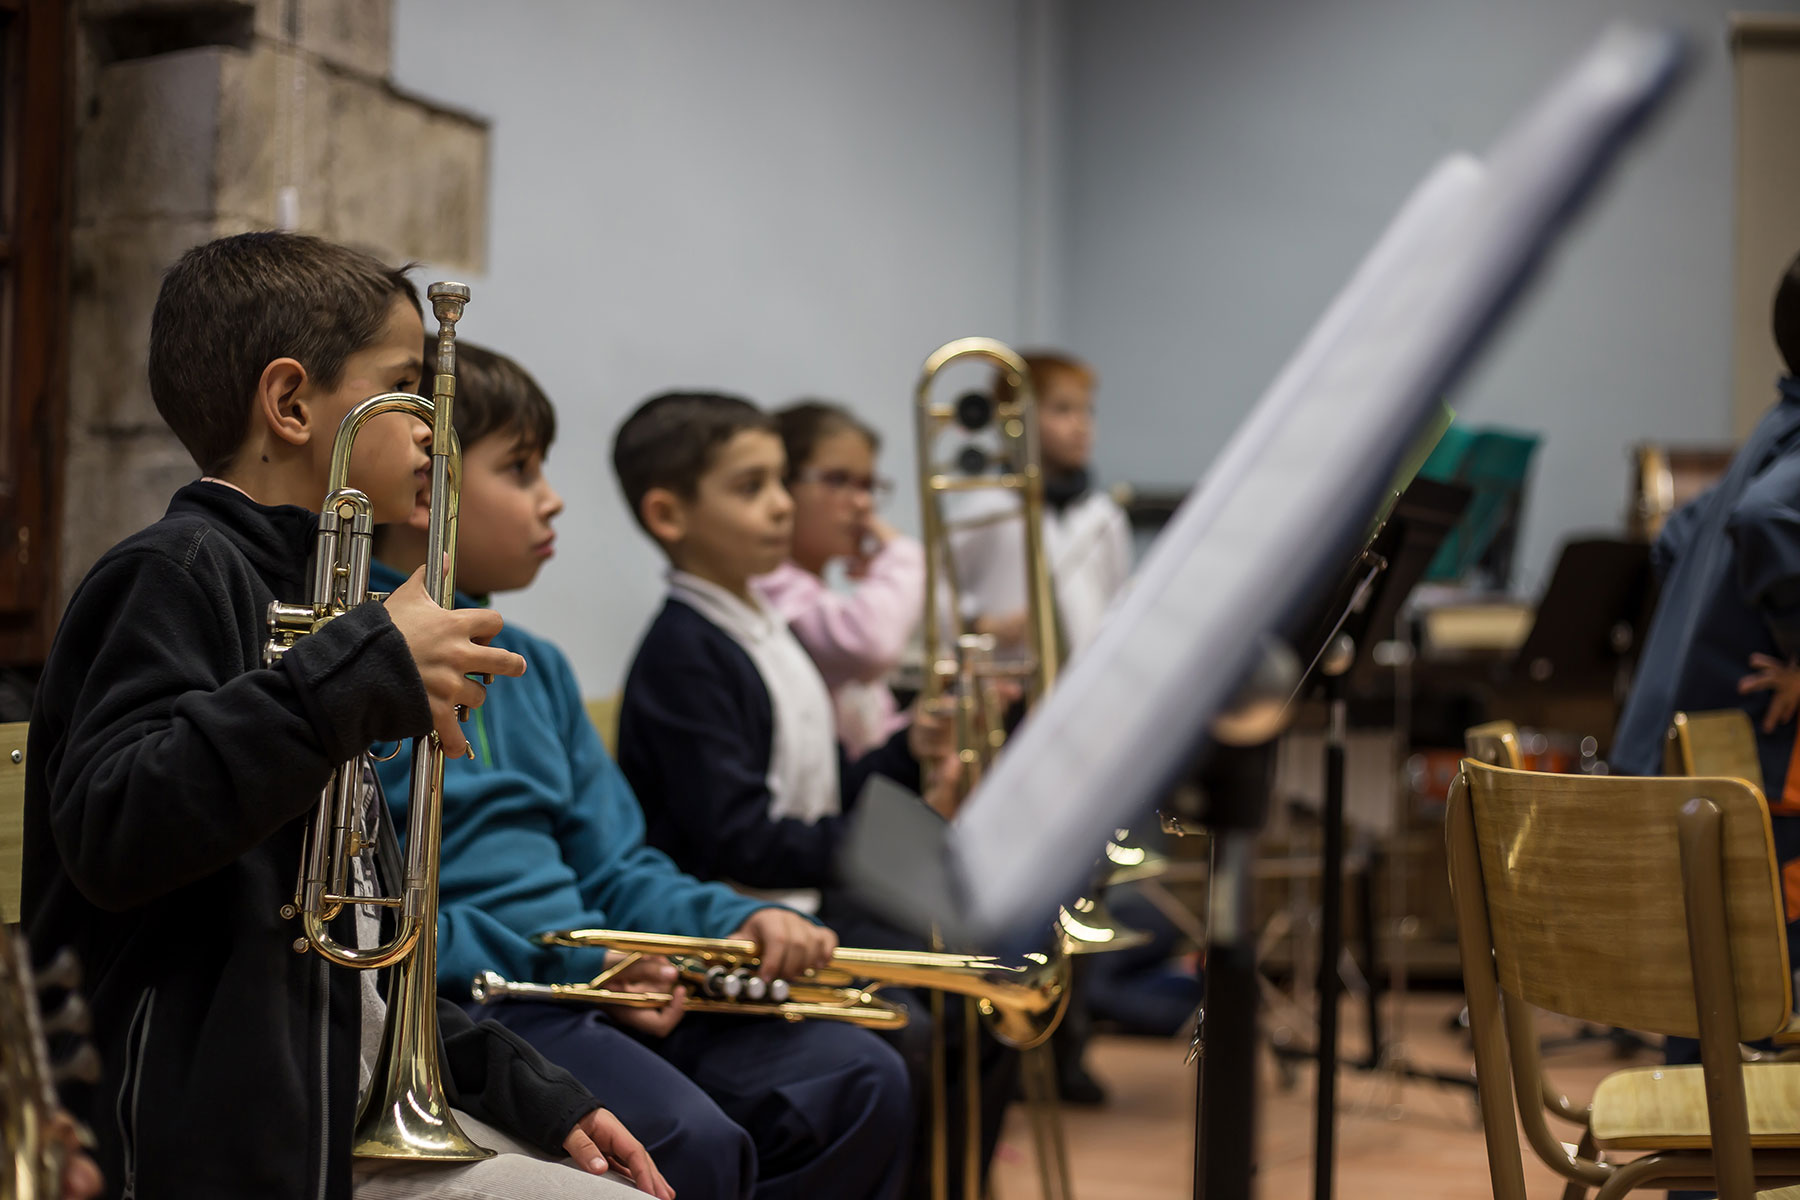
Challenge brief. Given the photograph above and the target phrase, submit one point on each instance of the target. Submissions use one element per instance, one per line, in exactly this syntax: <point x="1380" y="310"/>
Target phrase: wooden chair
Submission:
<point x="1718" y="744"/>
<point x="12" y="817"/>
<point x="604" y="713"/>
<point x="1642" y="903"/>
<point x="1495" y="743"/>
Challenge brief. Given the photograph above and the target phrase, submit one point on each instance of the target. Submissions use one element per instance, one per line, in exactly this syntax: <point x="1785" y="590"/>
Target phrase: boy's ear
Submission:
<point x="281" y="401"/>
<point x="665" y="516"/>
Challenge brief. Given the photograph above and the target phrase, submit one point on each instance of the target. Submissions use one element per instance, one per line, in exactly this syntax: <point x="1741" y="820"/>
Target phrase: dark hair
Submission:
<point x="805" y="423"/>
<point x="494" y="394"/>
<point x="1040" y="365"/>
<point x="669" y="441"/>
<point x="231" y="307"/>
<point x="1787" y="317"/>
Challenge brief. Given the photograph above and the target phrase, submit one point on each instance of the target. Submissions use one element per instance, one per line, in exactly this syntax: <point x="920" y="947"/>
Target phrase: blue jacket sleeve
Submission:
<point x="1765" y="530"/>
<point x="601" y="835"/>
<point x="471" y="941"/>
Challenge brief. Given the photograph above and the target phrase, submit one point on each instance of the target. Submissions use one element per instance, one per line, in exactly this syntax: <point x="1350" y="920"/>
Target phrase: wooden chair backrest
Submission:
<point x="12" y="817"/>
<point x="1495" y="743"/>
<point x="604" y="713"/>
<point x="1719" y="744"/>
<point x="1584" y="889"/>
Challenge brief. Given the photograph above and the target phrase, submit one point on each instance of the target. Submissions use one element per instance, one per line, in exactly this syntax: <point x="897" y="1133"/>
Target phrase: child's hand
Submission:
<point x="1781" y="678"/>
<point x="788" y="944"/>
<point x="931" y="735"/>
<point x="650" y="974"/>
<point x="876" y="535"/>
<point x="448" y="646"/>
<point x="599" y="1136"/>
<point x="1008" y="629"/>
<point x="80" y="1178"/>
<point x="943" y="787"/>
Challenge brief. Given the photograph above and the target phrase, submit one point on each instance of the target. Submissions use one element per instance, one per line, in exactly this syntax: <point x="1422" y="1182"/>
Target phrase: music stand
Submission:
<point x="1586" y="632"/>
<point x="1361" y="611"/>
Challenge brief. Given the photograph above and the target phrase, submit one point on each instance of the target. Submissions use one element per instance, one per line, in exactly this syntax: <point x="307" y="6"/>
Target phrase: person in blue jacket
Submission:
<point x="1729" y="562"/>
<point x="541" y="832"/>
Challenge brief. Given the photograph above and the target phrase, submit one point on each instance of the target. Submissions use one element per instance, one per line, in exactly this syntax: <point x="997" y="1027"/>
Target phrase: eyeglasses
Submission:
<point x="874" y="486"/>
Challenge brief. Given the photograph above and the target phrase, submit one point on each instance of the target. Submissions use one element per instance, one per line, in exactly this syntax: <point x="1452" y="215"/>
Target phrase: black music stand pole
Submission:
<point x="1337" y="660"/>
<point x="1236" y="782"/>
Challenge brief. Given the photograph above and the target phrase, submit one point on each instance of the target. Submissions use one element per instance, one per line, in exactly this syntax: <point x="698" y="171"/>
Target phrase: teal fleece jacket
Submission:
<point x="542" y="832"/>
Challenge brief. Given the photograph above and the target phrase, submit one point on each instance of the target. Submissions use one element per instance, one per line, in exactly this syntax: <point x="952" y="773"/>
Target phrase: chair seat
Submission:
<point x="1664" y="1108"/>
<point x="1789" y="1037"/>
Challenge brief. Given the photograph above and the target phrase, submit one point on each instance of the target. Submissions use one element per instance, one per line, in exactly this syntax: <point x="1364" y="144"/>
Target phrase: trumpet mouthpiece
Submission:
<point x="485" y="986"/>
<point x="447" y="300"/>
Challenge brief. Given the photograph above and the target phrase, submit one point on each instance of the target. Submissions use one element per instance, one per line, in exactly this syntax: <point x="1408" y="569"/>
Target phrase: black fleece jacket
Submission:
<point x="168" y="781"/>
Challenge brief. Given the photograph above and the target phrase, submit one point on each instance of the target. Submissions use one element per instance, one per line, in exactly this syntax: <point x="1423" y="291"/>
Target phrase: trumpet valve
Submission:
<point x="287" y="624"/>
<point x="779" y="991"/>
<point x="721" y="984"/>
<point x="755" y="989"/>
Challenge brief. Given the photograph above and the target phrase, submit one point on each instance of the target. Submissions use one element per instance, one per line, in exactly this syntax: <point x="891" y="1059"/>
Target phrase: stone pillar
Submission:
<point x="194" y="119"/>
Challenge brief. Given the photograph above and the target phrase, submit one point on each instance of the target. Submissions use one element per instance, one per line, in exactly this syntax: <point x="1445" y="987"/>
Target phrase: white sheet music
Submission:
<point x="1296" y="485"/>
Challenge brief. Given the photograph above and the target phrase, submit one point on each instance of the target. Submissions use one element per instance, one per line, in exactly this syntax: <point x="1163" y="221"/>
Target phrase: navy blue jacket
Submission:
<point x="696" y="732"/>
<point x="1730" y="565"/>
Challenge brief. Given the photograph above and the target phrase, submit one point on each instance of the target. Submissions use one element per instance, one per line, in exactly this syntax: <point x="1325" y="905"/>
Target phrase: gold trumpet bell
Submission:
<point x="1087" y="926"/>
<point x="1128" y="861"/>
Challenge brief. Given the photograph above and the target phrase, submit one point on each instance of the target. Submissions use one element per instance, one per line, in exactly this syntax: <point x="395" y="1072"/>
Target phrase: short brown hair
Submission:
<point x="805" y="423"/>
<point x="231" y="307"/>
<point x="494" y="394"/>
<point x="670" y="440"/>
<point x="1040" y="365"/>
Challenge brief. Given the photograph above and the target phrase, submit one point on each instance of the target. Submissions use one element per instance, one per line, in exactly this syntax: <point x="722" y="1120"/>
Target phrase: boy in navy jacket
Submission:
<point x="726" y="730"/>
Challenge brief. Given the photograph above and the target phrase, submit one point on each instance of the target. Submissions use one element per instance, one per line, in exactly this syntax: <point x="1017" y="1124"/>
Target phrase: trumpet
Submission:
<point x="1021" y="999"/>
<point x="406" y="1114"/>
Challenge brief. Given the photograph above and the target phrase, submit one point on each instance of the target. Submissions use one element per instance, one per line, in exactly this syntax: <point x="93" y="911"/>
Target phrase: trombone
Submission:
<point x="405" y="1114"/>
<point x="1022" y="999"/>
<point x="962" y="670"/>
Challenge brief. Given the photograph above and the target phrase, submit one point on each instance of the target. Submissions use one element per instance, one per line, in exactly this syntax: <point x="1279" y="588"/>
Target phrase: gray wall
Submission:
<point x="804" y="196"/>
<point x="1229" y="162"/>
<point x="782" y="198"/>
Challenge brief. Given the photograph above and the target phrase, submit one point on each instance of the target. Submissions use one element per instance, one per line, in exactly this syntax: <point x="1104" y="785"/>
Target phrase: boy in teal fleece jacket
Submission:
<point x="541" y="832"/>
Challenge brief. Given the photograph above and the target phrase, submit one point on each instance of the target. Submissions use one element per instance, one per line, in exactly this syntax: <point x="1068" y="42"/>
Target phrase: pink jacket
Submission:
<point x="856" y="638"/>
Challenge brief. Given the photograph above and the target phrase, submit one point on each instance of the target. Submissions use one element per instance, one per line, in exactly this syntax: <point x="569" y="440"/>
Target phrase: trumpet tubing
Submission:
<point x="790" y="1002"/>
<point x="1022" y="999"/>
<point x="406" y="1114"/>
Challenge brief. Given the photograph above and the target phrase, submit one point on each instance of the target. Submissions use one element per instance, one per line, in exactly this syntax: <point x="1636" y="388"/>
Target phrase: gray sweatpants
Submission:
<point x="517" y="1172"/>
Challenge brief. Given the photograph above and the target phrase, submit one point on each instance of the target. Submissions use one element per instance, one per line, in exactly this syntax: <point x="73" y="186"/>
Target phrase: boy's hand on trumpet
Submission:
<point x="789" y="944"/>
<point x="448" y="646"/>
<point x="651" y="973"/>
